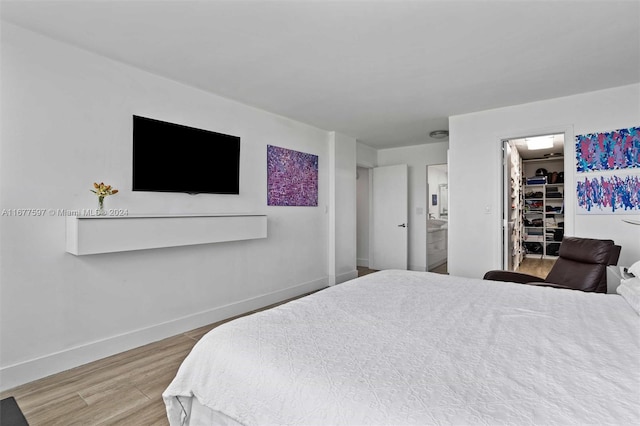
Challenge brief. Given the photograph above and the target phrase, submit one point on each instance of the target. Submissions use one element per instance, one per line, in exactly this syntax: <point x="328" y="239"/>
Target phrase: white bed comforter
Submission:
<point x="415" y="348"/>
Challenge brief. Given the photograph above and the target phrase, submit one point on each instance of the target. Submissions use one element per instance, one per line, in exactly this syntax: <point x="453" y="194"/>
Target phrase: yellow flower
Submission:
<point x="102" y="190"/>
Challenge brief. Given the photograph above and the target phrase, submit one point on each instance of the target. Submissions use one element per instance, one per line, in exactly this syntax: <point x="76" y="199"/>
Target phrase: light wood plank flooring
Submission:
<point x="122" y="389"/>
<point x="538" y="267"/>
<point x="362" y="271"/>
<point x="442" y="269"/>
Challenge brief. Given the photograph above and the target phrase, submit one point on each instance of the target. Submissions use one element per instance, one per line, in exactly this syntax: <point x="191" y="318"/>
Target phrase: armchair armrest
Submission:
<point x="520" y="278"/>
<point x="510" y="276"/>
<point x="554" y="285"/>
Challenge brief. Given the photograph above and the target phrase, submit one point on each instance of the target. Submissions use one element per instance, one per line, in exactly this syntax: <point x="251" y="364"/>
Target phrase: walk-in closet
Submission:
<point x="534" y="198"/>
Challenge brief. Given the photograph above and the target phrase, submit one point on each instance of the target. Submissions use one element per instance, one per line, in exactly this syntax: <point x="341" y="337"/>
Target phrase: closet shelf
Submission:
<point x="547" y="199"/>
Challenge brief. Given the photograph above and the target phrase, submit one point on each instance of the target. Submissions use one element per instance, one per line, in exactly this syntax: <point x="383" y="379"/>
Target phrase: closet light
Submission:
<point x="540" y="142"/>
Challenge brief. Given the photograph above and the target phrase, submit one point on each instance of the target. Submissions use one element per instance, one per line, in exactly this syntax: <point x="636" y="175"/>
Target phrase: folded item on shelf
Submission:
<point x="558" y="234"/>
<point x="553" y="249"/>
<point x="536" y="180"/>
<point x="534" y="194"/>
<point x="554" y="194"/>
<point x="533" y="247"/>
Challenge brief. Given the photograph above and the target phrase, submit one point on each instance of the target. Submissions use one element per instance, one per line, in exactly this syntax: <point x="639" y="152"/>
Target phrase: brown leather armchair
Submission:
<point x="581" y="265"/>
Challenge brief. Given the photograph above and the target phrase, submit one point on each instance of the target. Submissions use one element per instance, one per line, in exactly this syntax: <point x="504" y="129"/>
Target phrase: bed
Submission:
<point x="417" y="348"/>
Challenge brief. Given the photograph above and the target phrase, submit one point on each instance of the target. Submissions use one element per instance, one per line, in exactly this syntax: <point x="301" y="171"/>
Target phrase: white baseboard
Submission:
<point x="27" y="371"/>
<point x="362" y="262"/>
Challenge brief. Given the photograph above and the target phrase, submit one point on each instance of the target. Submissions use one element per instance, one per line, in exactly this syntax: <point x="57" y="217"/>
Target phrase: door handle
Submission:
<point x="402" y="225"/>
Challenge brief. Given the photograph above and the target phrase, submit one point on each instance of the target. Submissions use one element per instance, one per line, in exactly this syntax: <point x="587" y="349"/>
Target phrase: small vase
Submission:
<point x="101" y="211"/>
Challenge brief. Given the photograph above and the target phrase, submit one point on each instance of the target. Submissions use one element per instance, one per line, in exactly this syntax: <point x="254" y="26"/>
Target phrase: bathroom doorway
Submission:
<point x="437" y="217"/>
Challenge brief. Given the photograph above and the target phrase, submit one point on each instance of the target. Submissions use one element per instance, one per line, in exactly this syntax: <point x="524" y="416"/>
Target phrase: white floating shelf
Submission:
<point x="109" y="234"/>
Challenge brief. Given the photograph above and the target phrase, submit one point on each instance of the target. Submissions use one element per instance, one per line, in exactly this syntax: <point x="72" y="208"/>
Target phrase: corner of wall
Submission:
<point x="366" y="156"/>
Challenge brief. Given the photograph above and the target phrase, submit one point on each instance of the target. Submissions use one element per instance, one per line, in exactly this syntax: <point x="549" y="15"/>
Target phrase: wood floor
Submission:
<point x="442" y="269"/>
<point x="365" y="271"/>
<point x="123" y="389"/>
<point x="538" y="267"/>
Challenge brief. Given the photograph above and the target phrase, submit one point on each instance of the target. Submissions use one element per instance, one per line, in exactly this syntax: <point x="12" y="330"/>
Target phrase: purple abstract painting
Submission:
<point x="619" y="149"/>
<point x="609" y="194"/>
<point x="292" y="177"/>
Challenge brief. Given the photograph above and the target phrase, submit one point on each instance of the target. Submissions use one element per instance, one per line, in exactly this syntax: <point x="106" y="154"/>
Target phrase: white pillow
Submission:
<point x="635" y="269"/>
<point x="630" y="290"/>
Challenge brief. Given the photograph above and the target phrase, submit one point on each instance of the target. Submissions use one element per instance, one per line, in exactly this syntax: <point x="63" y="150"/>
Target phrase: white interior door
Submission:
<point x="389" y="217"/>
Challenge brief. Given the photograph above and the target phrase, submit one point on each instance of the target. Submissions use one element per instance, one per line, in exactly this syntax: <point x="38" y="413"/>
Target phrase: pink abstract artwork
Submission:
<point x="292" y="177"/>
<point x="618" y="149"/>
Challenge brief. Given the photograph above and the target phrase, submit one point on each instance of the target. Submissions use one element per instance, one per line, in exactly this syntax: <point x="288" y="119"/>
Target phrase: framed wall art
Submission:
<point x="609" y="194"/>
<point x="608" y="172"/>
<point x="292" y="177"/>
<point x="614" y="150"/>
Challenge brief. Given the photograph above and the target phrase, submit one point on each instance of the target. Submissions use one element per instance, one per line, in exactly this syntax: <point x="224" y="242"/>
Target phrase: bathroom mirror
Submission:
<point x="444" y="199"/>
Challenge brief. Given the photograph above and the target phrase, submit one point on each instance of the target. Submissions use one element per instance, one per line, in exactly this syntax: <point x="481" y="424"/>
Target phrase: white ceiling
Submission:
<point x="556" y="151"/>
<point x="384" y="72"/>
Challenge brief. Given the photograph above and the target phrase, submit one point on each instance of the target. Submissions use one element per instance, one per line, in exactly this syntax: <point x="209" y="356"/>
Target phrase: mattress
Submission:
<point x="416" y="348"/>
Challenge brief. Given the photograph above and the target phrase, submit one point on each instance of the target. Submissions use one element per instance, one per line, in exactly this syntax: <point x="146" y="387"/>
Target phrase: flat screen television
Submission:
<point x="169" y="157"/>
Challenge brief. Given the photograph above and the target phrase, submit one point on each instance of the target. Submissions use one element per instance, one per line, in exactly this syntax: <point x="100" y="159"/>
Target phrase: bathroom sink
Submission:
<point x="436" y="224"/>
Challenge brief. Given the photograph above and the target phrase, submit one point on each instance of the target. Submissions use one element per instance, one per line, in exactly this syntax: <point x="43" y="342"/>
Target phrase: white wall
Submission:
<point x="66" y="122"/>
<point x="417" y="158"/>
<point x="366" y="156"/>
<point x="362" y="211"/>
<point x="475" y="172"/>
<point x="342" y="214"/>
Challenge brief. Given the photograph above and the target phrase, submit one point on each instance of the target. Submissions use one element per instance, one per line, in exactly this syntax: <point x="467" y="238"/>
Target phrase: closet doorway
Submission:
<point x="437" y="217"/>
<point x="534" y="202"/>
